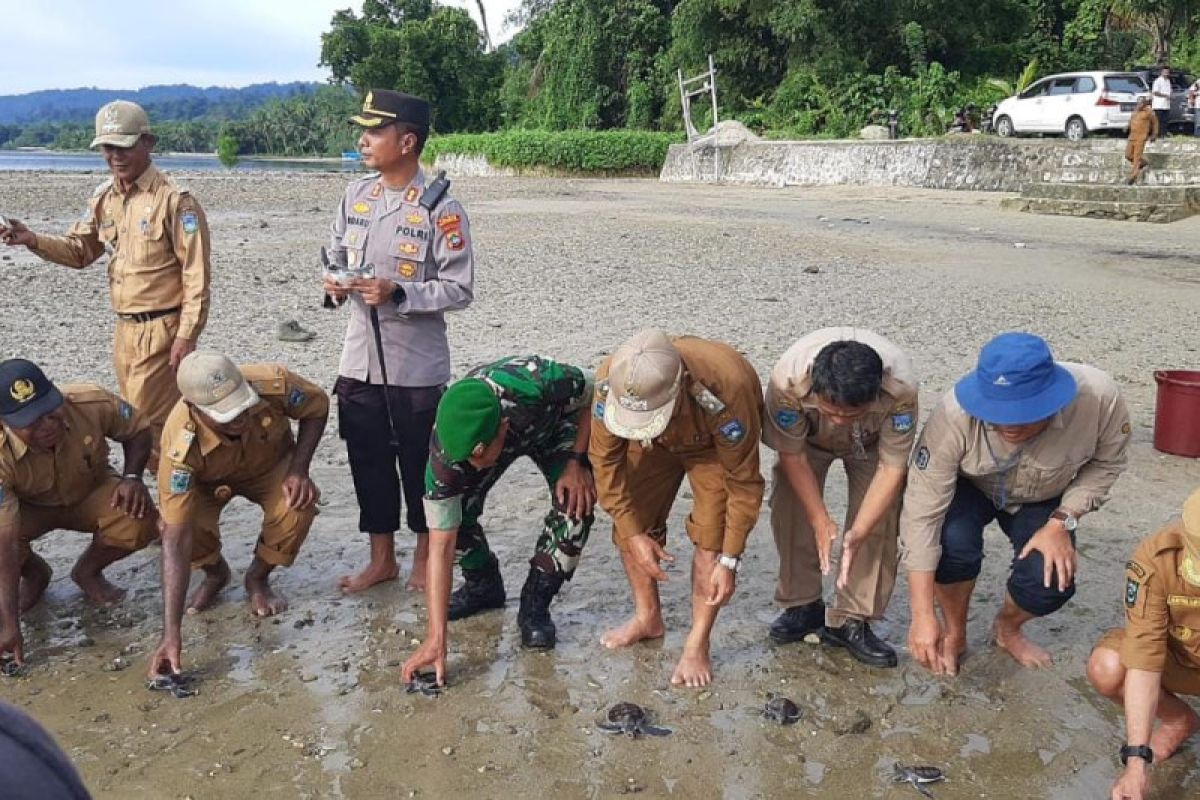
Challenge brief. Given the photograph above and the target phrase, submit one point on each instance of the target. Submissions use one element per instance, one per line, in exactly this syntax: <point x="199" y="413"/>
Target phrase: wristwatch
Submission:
<point x="731" y="563"/>
<point x="132" y="476"/>
<point x="1141" y="751"/>
<point x="582" y="458"/>
<point x="1069" y="520"/>
<point x="399" y="295"/>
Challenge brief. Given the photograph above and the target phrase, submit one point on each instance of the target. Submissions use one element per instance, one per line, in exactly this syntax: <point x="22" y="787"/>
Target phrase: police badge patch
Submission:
<point x="189" y="221"/>
<point x="902" y="423"/>
<point x="181" y="481"/>
<point x="1131" y="592"/>
<point x="296" y="398"/>
<point x="733" y="431"/>
<point x="787" y="417"/>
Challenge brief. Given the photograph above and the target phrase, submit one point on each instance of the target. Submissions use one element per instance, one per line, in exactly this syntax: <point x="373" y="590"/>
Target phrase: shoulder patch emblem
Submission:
<point x="449" y="222"/>
<point x="1131" y="592"/>
<point x="296" y="398"/>
<point x="181" y="480"/>
<point x="902" y="423"/>
<point x="921" y="459"/>
<point x="733" y="431"/>
<point x="189" y="221"/>
<point x="125" y="410"/>
<point x="787" y="417"/>
<point x="455" y="240"/>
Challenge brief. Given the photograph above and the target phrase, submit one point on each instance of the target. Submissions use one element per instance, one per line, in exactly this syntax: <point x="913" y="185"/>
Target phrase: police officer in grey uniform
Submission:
<point x="406" y="248"/>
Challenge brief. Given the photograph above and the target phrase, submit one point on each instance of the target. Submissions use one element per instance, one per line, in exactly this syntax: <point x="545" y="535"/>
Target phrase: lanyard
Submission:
<point x="1003" y="467"/>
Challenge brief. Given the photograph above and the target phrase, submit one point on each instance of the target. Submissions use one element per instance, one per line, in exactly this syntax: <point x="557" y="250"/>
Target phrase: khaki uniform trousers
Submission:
<point x="873" y="575"/>
<point x="283" y="529"/>
<point x="94" y="514"/>
<point x="1177" y="678"/>
<point x="142" y="362"/>
<point x="653" y="477"/>
<point x="1133" y="154"/>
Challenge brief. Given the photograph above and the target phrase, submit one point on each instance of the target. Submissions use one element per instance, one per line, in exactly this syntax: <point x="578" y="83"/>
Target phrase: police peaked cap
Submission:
<point x="384" y="106"/>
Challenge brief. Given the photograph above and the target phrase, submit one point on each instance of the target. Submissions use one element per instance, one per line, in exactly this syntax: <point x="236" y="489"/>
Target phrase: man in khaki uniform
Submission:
<point x="670" y="408"/>
<point x="849" y="394"/>
<point x="1031" y="444"/>
<point x="157" y="241"/>
<point x="230" y="435"/>
<point x="1143" y="127"/>
<point x="1156" y="657"/>
<point x="54" y="474"/>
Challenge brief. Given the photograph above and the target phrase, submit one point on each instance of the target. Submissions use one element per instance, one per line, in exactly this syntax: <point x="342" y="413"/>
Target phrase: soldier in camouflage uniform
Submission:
<point x="519" y="406"/>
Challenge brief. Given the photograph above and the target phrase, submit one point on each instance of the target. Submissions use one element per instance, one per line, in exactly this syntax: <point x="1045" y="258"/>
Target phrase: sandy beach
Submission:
<point x="310" y="705"/>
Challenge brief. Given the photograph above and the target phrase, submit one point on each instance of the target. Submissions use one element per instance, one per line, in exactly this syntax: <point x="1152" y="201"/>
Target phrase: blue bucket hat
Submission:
<point x="1016" y="382"/>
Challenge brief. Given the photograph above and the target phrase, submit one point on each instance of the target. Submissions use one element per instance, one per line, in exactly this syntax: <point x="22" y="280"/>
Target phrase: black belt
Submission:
<point x="146" y="316"/>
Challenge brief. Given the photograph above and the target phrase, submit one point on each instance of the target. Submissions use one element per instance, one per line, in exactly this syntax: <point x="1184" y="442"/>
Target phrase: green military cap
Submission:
<point x="468" y="418"/>
<point x="383" y="106"/>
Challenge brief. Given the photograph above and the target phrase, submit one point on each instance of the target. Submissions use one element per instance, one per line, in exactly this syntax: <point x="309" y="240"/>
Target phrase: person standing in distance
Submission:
<point x="156" y="237"/>
<point x="413" y="243"/>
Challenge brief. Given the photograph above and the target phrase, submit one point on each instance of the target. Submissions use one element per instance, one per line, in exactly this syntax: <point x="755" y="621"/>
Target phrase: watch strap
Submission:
<point x="1141" y="751"/>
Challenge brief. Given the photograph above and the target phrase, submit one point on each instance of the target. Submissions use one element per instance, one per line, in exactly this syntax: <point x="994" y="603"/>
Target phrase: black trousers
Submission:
<point x="380" y="469"/>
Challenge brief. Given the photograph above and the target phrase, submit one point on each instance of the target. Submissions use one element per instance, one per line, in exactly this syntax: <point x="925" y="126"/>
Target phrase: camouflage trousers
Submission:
<point x="562" y="539"/>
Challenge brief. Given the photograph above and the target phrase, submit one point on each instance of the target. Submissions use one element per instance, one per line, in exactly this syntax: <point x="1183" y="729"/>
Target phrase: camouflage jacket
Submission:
<point x="540" y="399"/>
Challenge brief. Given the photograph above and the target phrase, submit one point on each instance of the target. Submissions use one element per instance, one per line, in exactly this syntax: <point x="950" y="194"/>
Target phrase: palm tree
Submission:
<point x="487" y="37"/>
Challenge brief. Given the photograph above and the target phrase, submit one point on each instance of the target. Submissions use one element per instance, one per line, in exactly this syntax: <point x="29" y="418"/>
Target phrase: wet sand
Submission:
<point x="310" y="705"/>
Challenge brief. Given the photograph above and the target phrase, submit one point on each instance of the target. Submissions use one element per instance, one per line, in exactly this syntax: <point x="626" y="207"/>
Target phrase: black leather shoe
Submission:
<point x="856" y="636"/>
<point x="537" y="628"/>
<point x="482" y="590"/>
<point x="797" y="622"/>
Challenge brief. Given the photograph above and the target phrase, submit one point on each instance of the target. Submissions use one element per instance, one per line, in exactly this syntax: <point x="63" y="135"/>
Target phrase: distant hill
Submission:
<point x="181" y="102"/>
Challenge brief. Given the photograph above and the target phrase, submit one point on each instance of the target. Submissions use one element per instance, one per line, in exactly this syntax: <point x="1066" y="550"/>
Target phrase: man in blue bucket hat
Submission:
<point x="1030" y="444"/>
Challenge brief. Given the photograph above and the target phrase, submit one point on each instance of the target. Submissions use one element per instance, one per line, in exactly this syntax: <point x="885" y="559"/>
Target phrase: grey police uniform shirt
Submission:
<point x="427" y="253"/>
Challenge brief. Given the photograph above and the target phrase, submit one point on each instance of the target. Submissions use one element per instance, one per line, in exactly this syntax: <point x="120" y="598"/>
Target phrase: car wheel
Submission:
<point x="1076" y="129"/>
<point x="1004" y="127"/>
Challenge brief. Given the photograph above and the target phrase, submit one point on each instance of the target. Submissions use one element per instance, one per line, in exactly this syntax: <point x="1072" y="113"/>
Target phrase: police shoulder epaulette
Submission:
<point x="84" y="392"/>
<point x="435" y="191"/>
<point x="180" y="441"/>
<point x="705" y="398"/>
<point x="267" y="379"/>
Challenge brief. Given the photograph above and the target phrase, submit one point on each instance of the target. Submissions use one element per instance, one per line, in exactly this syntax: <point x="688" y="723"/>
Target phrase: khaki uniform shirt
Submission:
<point x="429" y="255"/>
<point x="195" y="458"/>
<point x="66" y="475"/>
<point x="1143" y="125"/>
<point x="1079" y="456"/>
<point x="794" y="421"/>
<point x="717" y="418"/>
<point x="1162" y="609"/>
<point x="157" y="240"/>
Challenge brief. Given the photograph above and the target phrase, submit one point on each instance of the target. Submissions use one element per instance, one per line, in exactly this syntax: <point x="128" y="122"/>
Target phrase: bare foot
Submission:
<point x="35" y="577"/>
<point x="97" y="588"/>
<point x="632" y="632"/>
<point x="373" y="574"/>
<point x="1171" y="733"/>
<point x="694" y="668"/>
<point x="215" y="578"/>
<point x="954" y="647"/>
<point x="416" y="578"/>
<point x="1023" y="651"/>
<point x="263" y="601"/>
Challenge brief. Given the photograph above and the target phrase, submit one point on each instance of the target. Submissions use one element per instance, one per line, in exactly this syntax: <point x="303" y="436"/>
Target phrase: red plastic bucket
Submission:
<point x="1177" y="413"/>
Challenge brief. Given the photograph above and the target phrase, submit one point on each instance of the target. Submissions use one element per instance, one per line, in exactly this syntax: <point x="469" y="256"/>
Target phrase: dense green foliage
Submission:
<point x="571" y="151"/>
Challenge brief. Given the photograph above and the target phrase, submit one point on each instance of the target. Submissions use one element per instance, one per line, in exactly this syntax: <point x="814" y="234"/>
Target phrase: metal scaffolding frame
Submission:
<point x="687" y="91"/>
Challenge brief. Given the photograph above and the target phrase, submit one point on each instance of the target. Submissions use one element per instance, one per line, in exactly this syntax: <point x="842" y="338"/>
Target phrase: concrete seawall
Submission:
<point x="979" y="163"/>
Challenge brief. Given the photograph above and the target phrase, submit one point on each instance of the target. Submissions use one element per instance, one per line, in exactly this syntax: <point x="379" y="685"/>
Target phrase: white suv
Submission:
<point x="1073" y="104"/>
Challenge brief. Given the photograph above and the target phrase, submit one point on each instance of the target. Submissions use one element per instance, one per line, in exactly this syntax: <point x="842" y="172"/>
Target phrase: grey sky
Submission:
<point x="65" y="44"/>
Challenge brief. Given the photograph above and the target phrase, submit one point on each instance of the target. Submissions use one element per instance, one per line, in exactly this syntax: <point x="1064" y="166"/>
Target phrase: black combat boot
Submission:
<point x="856" y="636"/>
<point x="537" y="629"/>
<point x="482" y="590"/>
<point x="797" y="622"/>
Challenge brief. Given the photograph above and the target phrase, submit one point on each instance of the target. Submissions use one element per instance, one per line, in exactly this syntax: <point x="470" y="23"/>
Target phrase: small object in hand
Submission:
<point x="631" y="720"/>
<point x="782" y="710"/>
<point x="917" y="775"/>
<point x="11" y="669"/>
<point x="425" y="683"/>
<point x="291" y="331"/>
<point x="178" y="684"/>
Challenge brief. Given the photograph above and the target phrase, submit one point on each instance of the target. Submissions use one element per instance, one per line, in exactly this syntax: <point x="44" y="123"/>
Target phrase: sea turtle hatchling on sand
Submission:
<point x="425" y="683"/>
<point x="178" y="684"/>
<point x="782" y="710"/>
<point x="917" y="776"/>
<point x="631" y="720"/>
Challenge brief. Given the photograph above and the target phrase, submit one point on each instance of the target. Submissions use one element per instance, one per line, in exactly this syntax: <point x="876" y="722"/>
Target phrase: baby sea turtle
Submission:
<point x="917" y="776"/>
<point x="11" y="669"/>
<point x="782" y="710"/>
<point x="631" y="720"/>
<point x="178" y="684"/>
<point x="425" y="683"/>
